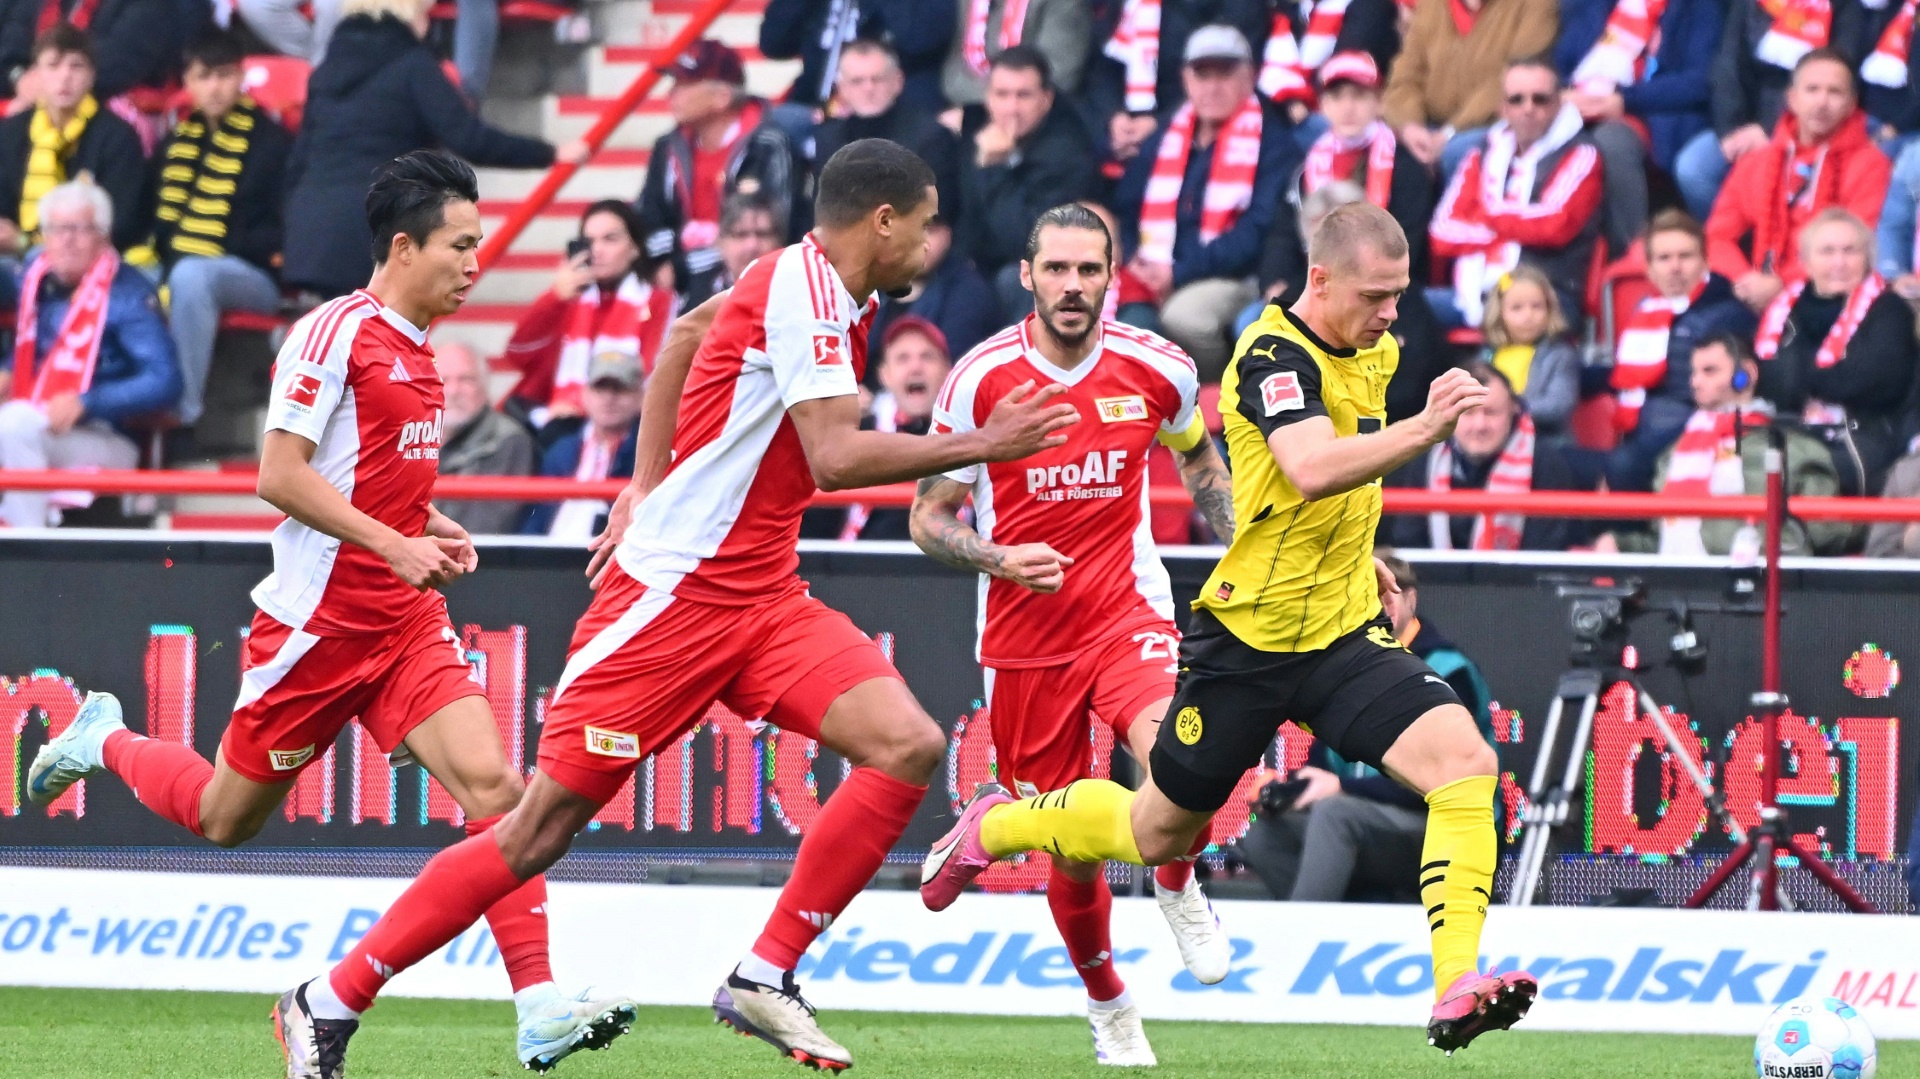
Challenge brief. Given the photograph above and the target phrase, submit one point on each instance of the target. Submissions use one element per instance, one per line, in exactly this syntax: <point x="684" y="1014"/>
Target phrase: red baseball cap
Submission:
<point x="1354" y="67"/>
<point x="907" y="324"/>
<point x="708" y="61"/>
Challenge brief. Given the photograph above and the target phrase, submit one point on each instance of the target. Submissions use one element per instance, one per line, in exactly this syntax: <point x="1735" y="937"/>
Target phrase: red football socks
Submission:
<point x="841" y="852"/>
<point x="1175" y="874"/>
<point x="1083" y="910"/>
<point x="457" y="886"/>
<point x="519" y="925"/>
<point x="167" y="777"/>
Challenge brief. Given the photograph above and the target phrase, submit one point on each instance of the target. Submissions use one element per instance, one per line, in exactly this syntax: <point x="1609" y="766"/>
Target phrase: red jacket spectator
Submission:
<point x="1757" y="203"/>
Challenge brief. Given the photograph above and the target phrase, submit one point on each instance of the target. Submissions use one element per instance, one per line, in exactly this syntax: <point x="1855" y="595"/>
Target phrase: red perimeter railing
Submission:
<point x="596" y="137"/>
<point x="543" y="489"/>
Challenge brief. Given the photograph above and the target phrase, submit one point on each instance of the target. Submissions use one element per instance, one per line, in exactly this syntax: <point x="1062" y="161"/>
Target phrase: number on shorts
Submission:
<point x="459" y="650"/>
<point x="1155" y="646"/>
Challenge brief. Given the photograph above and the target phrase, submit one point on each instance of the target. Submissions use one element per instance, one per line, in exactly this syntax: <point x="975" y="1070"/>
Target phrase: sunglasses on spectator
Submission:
<point x="1538" y="101"/>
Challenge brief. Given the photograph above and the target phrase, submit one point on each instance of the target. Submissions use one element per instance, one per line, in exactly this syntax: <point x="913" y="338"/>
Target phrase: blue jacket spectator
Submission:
<point x="562" y="460"/>
<point x="1674" y="93"/>
<point x="920" y="31"/>
<point x="951" y="294"/>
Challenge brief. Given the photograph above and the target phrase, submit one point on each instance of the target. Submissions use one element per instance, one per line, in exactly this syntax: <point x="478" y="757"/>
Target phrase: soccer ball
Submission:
<point x="1814" y="1038"/>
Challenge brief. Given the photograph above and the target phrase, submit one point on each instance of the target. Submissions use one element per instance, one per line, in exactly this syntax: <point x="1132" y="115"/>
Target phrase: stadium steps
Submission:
<point x="628" y="29"/>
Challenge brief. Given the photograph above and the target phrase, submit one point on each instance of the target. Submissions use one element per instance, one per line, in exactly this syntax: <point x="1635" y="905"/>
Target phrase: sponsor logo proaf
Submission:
<point x="1072" y="482"/>
<point x="420" y="439"/>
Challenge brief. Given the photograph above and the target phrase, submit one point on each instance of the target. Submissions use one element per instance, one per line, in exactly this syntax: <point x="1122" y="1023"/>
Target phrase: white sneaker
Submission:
<point x="314" y="1048"/>
<point x="77" y="753"/>
<point x="1203" y="947"/>
<point x="781" y="1017"/>
<point x="554" y="1027"/>
<point x="1118" y="1038"/>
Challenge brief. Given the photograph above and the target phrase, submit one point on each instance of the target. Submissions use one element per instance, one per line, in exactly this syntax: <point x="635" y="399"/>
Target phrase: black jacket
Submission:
<point x="1717" y="311"/>
<point x="911" y="126"/>
<point x="1871" y="381"/>
<point x="1237" y="251"/>
<point x="998" y="205"/>
<point x="1409" y="200"/>
<point x="1748" y="90"/>
<point x="135" y="42"/>
<point x="766" y="161"/>
<point x="1550" y="473"/>
<point x="379" y="93"/>
<point x="956" y="299"/>
<point x="253" y="222"/>
<point x="919" y="30"/>
<point x="108" y="148"/>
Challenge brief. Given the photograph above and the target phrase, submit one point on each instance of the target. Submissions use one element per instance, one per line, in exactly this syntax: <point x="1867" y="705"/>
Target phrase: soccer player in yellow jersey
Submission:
<point x="1290" y="626"/>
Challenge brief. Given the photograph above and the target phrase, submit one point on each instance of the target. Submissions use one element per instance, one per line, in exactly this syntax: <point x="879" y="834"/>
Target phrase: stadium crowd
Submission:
<point x="1646" y="224"/>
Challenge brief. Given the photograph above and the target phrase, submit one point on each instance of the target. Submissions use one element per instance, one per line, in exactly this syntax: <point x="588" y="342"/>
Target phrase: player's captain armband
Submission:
<point x="1182" y="441"/>
<point x="1280" y="392"/>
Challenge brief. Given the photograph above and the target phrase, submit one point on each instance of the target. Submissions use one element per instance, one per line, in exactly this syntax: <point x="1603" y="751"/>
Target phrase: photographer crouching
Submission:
<point x="1336" y="831"/>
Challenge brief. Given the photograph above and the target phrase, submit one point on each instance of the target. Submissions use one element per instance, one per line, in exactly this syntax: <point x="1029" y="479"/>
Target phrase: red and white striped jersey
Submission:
<point x="724" y="524"/>
<point x="358" y="381"/>
<point x="1086" y="499"/>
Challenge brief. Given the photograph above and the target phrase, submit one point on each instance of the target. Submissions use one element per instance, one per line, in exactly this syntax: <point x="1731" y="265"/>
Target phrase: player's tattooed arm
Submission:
<point x="1205" y="475"/>
<point x="936" y="526"/>
<point x="938" y="530"/>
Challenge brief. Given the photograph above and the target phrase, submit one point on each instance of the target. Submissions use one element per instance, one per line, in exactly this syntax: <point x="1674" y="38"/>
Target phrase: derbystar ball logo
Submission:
<point x="286" y="760"/>
<point x="420" y="439"/>
<point x="607" y="743"/>
<point x="826" y="351"/>
<point x="1280" y="392"/>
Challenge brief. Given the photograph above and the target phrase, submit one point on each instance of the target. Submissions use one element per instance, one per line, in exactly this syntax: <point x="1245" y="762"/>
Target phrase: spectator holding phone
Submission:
<point x="1338" y="830"/>
<point x="602" y="303"/>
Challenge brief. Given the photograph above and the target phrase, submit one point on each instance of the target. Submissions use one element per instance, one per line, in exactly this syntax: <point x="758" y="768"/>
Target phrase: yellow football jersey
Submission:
<point x="1298" y="574"/>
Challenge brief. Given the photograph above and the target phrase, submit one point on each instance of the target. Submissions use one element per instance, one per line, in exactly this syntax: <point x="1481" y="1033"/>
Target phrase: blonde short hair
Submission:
<point x="1496" y="330"/>
<point x="1338" y="238"/>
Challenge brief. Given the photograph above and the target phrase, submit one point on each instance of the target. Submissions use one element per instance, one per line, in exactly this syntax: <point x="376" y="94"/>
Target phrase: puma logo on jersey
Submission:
<point x="420" y="439"/>
<point x="1073" y="482"/>
<point x="1120" y="409"/>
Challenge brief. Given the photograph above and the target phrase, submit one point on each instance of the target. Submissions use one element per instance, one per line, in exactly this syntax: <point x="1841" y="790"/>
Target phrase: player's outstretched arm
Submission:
<point x="843" y="457"/>
<point x="1204" y="473"/>
<point x="659" y="418"/>
<point x="289" y="483"/>
<point x="936" y="526"/>
<point x="1322" y="465"/>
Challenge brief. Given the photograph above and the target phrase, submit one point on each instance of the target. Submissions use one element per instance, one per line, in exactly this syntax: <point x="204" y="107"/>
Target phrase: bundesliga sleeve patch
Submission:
<point x="826" y="351"/>
<point x="303" y="390"/>
<point x="1280" y="392"/>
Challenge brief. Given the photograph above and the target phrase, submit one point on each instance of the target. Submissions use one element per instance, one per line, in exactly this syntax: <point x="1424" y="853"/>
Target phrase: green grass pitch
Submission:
<point x="97" y="1034"/>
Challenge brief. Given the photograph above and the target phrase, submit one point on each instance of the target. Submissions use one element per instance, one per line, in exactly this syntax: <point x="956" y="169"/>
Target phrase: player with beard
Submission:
<point x="701" y="603"/>
<point x="1076" y="611"/>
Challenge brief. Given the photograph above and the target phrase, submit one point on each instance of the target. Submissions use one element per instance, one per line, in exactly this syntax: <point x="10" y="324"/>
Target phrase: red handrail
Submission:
<point x="1398" y="500"/>
<point x="556" y="178"/>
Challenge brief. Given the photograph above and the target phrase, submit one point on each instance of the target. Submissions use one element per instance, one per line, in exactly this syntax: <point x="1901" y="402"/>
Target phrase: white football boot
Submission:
<point x="1204" y="948"/>
<point x="77" y="753"/>
<point x="314" y="1048"/>
<point x="1118" y="1038"/>
<point x="554" y="1027"/>
<point x="781" y="1017"/>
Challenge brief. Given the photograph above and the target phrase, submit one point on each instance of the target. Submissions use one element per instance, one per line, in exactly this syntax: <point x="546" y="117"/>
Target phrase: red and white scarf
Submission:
<point x="1705" y="461"/>
<point x="1013" y="17"/>
<point x="69" y="363"/>
<point x="1619" y="58"/>
<point x="1887" y="66"/>
<point x="1334" y="158"/>
<point x="1286" y="65"/>
<point x="1640" y="355"/>
<point x="1506" y="177"/>
<point x="631" y="325"/>
<point x="1136" y="44"/>
<point x="1512" y="474"/>
<point x="1773" y="322"/>
<point x="1799" y="27"/>
<point x="575" y="518"/>
<point x="1236" y="153"/>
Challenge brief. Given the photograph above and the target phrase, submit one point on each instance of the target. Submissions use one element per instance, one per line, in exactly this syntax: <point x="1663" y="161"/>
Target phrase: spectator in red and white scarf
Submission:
<point x="723" y="142"/>
<point x="602" y="449"/>
<point x="1060" y="30"/>
<point x="1651" y="378"/>
<point x="1493" y="449"/>
<point x="1837" y="350"/>
<point x="1714" y="456"/>
<point x="91" y="351"/>
<point x="1819" y="156"/>
<point x="1533" y="192"/>
<point x="1198" y="202"/>
<point x="602" y="302"/>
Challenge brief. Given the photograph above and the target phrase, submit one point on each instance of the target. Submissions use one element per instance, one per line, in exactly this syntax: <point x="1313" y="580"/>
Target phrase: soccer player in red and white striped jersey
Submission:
<point x="701" y="603"/>
<point x="349" y="623"/>
<point x="1076" y="611"/>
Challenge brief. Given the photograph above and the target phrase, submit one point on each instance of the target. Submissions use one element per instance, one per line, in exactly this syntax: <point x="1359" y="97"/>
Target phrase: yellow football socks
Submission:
<point x="1087" y="821"/>
<point x="1456" y="874"/>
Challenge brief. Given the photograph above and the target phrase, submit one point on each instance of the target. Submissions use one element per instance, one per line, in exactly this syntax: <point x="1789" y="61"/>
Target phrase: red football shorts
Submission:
<point x="644" y="666"/>
<point x="299" y="691"/>
<point x="1041" y="716"/>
